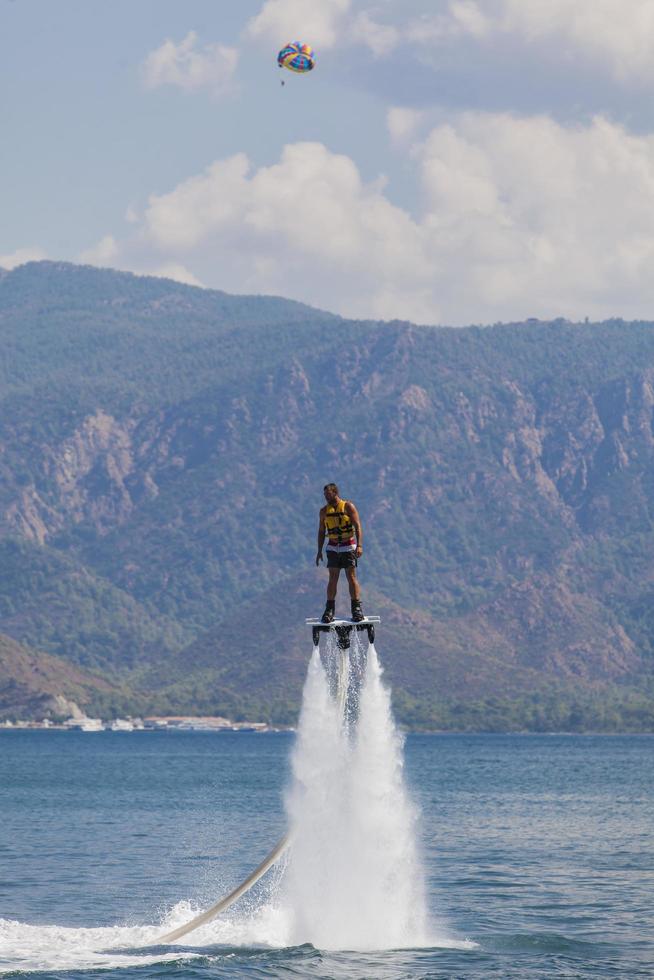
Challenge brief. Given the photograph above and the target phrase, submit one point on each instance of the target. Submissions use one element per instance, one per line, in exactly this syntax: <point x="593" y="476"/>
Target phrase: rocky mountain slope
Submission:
<point x="162" y="454"/>
<point x="36" y="685"/>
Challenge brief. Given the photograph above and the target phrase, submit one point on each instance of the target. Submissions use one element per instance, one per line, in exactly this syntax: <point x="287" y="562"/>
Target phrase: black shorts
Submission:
<point x="341" y="559"/>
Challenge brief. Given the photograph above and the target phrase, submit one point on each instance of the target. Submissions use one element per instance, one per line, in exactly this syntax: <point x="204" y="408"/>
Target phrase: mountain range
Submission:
<point x="162" y="455"/>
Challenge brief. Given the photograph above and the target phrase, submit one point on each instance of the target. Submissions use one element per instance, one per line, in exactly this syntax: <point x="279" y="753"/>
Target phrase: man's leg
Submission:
<point x="353" y="582"/>
<point x="332" y="585"/>
<point x="355" y="594"/>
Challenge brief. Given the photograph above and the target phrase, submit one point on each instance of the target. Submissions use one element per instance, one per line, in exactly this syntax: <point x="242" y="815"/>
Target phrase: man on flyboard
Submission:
<point x="339" y="520"/>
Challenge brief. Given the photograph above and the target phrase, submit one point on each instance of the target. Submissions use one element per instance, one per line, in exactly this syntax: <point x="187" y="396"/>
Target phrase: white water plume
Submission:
<point x="354" y="879"/>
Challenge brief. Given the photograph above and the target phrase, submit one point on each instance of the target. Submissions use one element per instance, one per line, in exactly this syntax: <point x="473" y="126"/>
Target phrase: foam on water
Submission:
<point x="48" y="947"/>
<point x="28" y="948"/>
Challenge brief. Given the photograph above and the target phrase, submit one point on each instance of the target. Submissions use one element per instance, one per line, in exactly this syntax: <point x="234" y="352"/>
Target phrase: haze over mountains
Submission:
<point x="162" y="456"/>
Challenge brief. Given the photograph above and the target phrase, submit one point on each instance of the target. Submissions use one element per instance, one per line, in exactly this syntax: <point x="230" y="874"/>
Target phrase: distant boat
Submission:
<point x="121" y="725"/>
<point x="92" y="725"/>
<point x="84" y="725"/>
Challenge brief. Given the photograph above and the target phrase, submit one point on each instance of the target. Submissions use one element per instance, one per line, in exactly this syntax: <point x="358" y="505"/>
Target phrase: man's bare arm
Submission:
<point x="321" y="535"/>
<point x="353" y="514"/>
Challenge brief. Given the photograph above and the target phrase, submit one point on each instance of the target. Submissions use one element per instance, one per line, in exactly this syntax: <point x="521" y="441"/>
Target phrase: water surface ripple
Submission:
<point x="537" y="852"/>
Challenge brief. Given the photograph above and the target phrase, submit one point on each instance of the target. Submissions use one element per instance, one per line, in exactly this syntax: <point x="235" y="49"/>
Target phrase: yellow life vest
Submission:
<point x="339" y="527"/>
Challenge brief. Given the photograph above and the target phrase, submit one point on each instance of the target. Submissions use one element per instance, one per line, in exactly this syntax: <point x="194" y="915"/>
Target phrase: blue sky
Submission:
<point x="448" y="161"/>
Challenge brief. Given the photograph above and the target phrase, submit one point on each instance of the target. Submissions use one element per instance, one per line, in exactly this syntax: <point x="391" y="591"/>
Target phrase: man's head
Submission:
<point x="331" y="493"/>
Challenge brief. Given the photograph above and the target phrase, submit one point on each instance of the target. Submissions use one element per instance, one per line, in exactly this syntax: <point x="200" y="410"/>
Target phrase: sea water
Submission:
<point x="535" y="854"/>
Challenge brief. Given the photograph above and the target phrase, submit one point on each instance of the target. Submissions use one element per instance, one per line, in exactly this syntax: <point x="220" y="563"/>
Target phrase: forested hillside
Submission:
<point x="162" y="455"/>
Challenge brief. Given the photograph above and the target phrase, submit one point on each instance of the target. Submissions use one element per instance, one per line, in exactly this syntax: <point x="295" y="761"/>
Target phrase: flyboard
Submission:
<point x="343" y="629"/>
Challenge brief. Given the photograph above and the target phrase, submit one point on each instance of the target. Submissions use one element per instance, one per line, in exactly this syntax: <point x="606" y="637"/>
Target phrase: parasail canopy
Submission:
<point x="296" y="57"/>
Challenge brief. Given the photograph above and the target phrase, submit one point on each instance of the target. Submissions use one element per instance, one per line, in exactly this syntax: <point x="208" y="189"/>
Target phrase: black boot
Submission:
<point x="330" y="609"/>
<point x="357" y="611"/>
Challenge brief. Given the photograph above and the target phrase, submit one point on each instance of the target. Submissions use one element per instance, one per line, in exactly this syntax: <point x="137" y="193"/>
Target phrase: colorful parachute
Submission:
<point x="296" y="57"/>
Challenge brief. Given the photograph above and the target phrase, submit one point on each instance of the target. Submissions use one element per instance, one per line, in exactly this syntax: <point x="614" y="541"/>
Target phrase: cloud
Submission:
<point x="103" y="253"/>
<point x="173" y="270"/>
<point x="618" y="34"/>
<point x="402" y="123"/>
<point x="21" y="256"/>
<point x="319" y="22"/>
<point x="201" y="205"/>
<point x="326" y="23"/>
<point x="307" y="226"/>
<point x="381" y="39"/>
<point x="535" y="217"/>
<point x="520" y="216"/>
<point x="467" y="17"/>
<point x="461" y="18"/>
<point x="190" y="67"/>
<point x="108" y="254"/>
